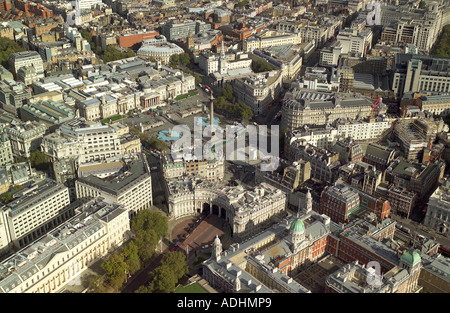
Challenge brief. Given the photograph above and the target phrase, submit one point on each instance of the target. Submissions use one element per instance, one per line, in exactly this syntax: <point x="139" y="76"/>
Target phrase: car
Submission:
<point x="154" y="168"/>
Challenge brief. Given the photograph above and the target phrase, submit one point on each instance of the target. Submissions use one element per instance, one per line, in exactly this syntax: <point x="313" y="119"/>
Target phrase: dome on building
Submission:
<point x="412" y="257"/>
<point x="297" y="226"/>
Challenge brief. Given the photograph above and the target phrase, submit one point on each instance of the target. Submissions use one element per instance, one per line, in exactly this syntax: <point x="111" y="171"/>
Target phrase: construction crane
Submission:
<point x="376" y="107"/>
<point x="405" y="108"/>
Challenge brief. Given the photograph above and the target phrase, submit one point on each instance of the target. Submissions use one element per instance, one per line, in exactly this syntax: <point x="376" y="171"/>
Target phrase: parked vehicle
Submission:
<point x="405" y="229"/>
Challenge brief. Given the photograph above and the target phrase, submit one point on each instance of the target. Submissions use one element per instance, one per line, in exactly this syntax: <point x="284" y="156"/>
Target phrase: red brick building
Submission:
<point x="362" y="242"/>
<point x="339" y="202"/>
<point x="129" y="40"/>
<point x="5" y="5"/>
<point x="33" y="9"/>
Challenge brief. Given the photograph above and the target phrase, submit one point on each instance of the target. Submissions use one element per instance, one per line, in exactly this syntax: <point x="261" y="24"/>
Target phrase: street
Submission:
<point x="420" y="229"/>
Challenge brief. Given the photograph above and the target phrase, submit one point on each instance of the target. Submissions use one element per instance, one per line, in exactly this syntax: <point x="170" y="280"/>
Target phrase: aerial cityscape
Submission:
<point x="224" y="147"/>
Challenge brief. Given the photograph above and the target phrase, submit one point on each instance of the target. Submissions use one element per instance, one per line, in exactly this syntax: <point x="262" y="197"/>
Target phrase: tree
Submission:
<point x="6" y="197"/>
<point x="260" y="65"/>
<point x="147" y="220"/>
<point x="7" y="47"/>
<point x="163" y="280"/>
<point x="227" y="92"/>
<point x="176" y="261"/>
<point x="146" y="242"/>
<point x="157" y="144"/>
<point x="131" y="257"/>
<point x="442" y="48"/>
<point x="422" y="4"/>
<point x="242" y="111"/>
<point x="116" y="269"/>
<point x="198" y="79"/>
<point x="112" y="54"/>
<point x="174" y="60"/>
<point x="144" y="289"/>
<point x="185" y="58"/>
<point x="39" y="160"/>
<point x="221" y="102"/>
<point x="242" y="3"/>
<point x="246" y="112"/>
<point x="97" y="284"/>
<point x="86" y="35"/>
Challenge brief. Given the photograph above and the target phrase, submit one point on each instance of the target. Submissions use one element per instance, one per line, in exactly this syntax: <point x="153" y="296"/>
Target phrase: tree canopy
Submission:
<point x="7" y="47"/>
<point x="157" y="144"/>
<point x="260" y="65"/>
<point x="227" y="92"/>
<point x="148" y="227"/>
<point x="185" y="58"/>
<point x="116" y="269"/>
<point x="237" y="109"/>
<point x="164" y="278"/>
<point x="149" y="141"/>
<point x="131" y="257"/>
<point x="442" y="47"/>
<point x="177" y="262"/>
<point x="147" y="220"/>
<point x="112" y="54"/>
<point x="39" y="160"/>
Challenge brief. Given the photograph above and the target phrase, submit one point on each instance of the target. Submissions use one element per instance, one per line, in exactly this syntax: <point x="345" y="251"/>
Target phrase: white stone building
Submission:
<point x="82" y="140"/>
<point x="25" y="137"/>
<point x="312" y="107"/>
<point x="26" y="59"/>
<point x="129" y="184"/>
<point x="259" y="90"/>
<point x="246" y="211"/>
<point x="262" y="42"/>
<point x="35" y="210"/>
<point x="178" y="165"/>
<point x="159" y="49"/>
<point x="60" y="256"/>
<point x="438" y="210"/>
<point x="223" y="62"/>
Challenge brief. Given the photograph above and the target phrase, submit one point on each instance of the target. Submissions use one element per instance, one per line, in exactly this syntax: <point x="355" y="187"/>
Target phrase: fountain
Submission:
<point x="168" y="135"/>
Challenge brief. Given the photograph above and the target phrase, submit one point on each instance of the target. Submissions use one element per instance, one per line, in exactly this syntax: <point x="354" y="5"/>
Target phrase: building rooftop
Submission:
<point x="132" y="172"/>
<point x="33" y="258"/>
